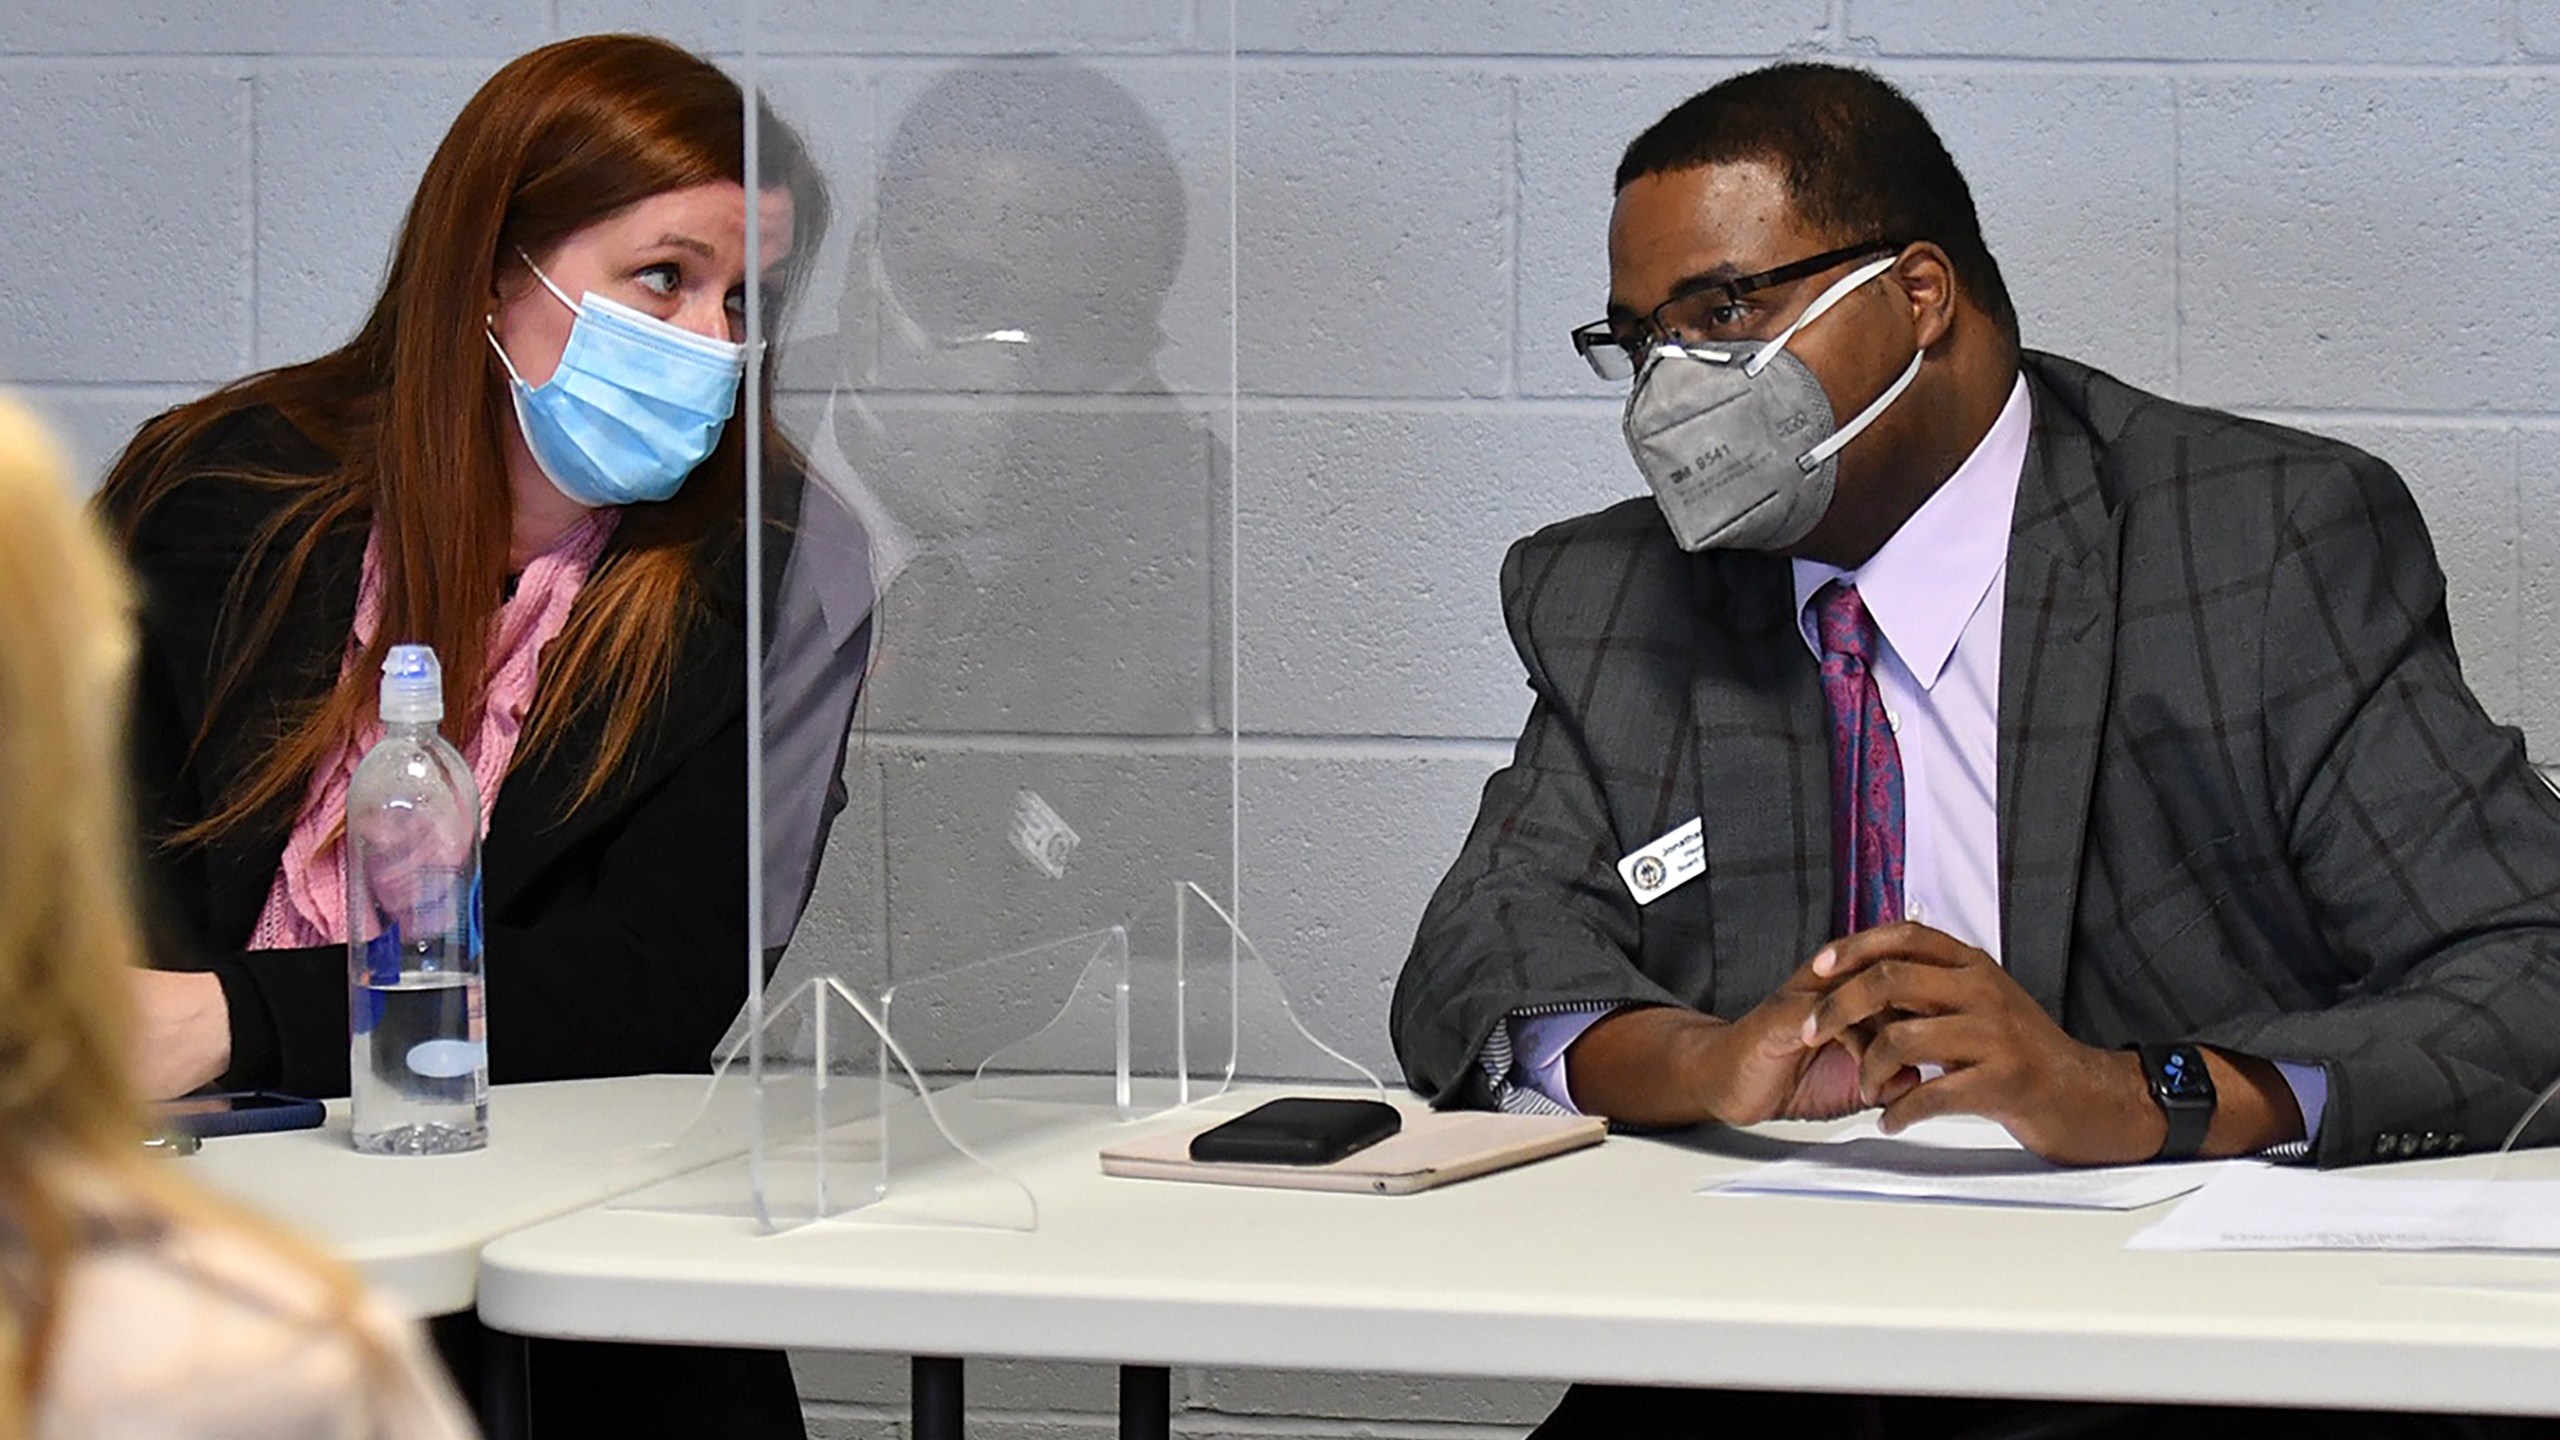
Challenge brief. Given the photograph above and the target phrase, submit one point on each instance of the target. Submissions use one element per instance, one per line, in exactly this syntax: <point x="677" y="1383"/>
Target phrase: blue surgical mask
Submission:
<point x="636" y="404"/>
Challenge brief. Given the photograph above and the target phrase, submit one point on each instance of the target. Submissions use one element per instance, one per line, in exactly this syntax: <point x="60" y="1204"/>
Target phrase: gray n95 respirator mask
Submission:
<point x="1737" y="439"/>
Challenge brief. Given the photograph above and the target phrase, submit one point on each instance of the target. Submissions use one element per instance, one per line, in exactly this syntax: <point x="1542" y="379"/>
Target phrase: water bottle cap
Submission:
<point x="412" y="685"/>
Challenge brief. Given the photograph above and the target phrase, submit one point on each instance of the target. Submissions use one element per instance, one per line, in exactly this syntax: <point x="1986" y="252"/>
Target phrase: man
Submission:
<point x="1973" y="720"/>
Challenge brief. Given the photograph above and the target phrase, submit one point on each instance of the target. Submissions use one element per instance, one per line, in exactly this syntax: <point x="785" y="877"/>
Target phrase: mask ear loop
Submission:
<point x="556" y="292"/>
<point x="1823" y="302"/>
<point x="1813" y="458"/>
<point x="489" y="322"/>
<point x="489" y="330"/>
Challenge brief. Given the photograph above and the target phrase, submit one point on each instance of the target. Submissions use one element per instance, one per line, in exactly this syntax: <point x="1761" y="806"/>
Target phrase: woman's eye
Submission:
<point x="660" y="279"/>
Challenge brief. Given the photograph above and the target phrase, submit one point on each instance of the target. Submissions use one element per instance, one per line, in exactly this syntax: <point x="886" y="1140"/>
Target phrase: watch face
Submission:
<point x="2182" y="1076"/>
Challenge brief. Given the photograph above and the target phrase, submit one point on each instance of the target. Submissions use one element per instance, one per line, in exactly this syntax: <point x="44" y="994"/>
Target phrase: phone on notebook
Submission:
<point x="1301" y="1130"/>
<point x="240" y="1112"/>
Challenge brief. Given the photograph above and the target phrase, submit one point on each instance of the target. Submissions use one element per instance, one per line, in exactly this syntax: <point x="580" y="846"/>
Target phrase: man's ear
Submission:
<point x="1928" y="277"/>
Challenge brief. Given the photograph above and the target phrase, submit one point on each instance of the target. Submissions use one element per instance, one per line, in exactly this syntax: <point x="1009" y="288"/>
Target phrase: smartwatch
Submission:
<point x="2183" y="1088"/>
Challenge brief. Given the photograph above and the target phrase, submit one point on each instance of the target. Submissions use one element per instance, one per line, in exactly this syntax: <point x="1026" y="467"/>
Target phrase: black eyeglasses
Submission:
<point x="1709" y="313"/>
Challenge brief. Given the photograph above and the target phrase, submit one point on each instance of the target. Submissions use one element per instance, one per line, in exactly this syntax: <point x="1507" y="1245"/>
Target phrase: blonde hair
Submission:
<point x="70" y="1117"/>
<point x="67" y="930"/>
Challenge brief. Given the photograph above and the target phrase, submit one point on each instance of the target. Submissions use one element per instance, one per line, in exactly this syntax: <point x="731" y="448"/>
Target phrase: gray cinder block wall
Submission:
<point x="2336" y="215"/>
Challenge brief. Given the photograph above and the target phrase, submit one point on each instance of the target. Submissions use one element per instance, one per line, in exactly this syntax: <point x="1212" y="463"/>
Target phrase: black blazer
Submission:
<point x="2245" y="797"/>
<point x="616" y="937"/>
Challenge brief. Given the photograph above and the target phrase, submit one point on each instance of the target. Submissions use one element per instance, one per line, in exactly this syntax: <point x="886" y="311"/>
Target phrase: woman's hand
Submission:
<point x="182" y="1032"/>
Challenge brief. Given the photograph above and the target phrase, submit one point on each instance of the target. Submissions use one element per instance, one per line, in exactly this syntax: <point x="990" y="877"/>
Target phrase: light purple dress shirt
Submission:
<point x="1935" y="591"/>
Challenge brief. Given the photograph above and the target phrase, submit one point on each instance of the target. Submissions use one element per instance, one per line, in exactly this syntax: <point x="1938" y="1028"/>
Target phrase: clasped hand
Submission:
<point x="1854" y="1024"/>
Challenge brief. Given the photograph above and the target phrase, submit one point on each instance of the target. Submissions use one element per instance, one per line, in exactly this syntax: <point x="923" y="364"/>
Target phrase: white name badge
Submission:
<point x="1666" y="864"/>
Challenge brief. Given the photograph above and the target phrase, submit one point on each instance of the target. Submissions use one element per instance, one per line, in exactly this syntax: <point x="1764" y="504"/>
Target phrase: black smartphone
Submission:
<point x="240" y="1112"/>
<point x="1302" y="1130"/>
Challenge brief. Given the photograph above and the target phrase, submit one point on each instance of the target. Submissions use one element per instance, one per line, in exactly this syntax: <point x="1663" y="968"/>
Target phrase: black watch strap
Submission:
<point x="2183" y="1089"/>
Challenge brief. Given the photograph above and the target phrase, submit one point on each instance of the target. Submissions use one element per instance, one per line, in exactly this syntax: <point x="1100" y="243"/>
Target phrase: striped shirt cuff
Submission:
<point x="1523" y="1059"/>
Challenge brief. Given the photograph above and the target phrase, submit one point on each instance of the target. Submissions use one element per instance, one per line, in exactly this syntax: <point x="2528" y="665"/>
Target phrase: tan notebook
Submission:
<point x="1435" y="1147"/>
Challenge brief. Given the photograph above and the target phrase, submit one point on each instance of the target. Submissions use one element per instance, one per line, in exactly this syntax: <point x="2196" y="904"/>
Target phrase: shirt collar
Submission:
<point x="1933" y="573"/>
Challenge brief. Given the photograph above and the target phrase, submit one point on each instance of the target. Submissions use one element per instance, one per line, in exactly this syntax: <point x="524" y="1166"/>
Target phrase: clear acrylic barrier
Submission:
<point x="817" y="1123"/>
<point x="1168" y="1009"/>
<point x="994" y="759"/>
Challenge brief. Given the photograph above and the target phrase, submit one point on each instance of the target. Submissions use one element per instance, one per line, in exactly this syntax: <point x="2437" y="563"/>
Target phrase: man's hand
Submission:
<point x="182" y="1032"/>
<point x="1666" y="1066"/>
<point x="1930" y="999"/>
<point x="1927" y="998"/>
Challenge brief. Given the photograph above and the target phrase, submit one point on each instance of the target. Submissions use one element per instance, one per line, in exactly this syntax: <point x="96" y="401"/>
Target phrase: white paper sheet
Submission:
<point x="1964" y="1159"/>
<point x="2287" y="1209"/>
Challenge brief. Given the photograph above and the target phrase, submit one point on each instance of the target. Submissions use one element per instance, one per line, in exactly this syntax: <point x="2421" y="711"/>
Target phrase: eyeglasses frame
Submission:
<point x="1598" y="335"/>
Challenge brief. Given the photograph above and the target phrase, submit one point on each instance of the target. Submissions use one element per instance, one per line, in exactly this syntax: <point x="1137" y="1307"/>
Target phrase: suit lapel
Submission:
<point x="2057" y="654"/>
<point x="1764" y="776"/>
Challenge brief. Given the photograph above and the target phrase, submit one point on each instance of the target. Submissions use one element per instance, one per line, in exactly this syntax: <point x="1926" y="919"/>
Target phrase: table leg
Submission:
<point x="488" y="1368"/>
<point x="933" y="1396"/>
<point x="505" y="1392"/>
<point x="1146" y="1402"/>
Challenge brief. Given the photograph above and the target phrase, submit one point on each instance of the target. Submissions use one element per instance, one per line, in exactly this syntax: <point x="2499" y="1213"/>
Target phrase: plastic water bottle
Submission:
<point x="418" y="1055"/>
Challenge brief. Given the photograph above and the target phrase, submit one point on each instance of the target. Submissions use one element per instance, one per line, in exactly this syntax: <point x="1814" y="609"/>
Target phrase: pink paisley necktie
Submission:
<point x="1866" y="766"/>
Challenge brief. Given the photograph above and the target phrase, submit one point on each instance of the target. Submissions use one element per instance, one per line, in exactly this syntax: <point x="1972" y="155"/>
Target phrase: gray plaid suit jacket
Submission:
<point x="2245" y="797"/>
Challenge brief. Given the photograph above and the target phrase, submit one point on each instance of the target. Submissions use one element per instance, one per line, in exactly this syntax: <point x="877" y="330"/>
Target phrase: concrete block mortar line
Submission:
<point x="2114" y="66"/>
<point x="978" y="1414"/>
<point x="1834" y="38"/>
<point x="1607" y="407"/>
<point x="881" y="929"/>
<point x="1210" y="27"/>
<point x="1163" y="56"/>
<point x="2177" y="235"/>
<point x="1204" y="1423"/>
<point x="2516" y="524"/>
<point x="113" y="389"/>
<point x="1954" y="66"/>
<point x="2312" y="418"/>
<point x="1347" y="60"/>
<point x="264" y="65"/>
<point x="190" y="63"/>
<point x="1272" y="403"/>
<point x="247" y="62"/>
<point x="847" y="1410"/>
<point x="256" y="267"/>
<point x="1511" y="239"/>
<point x="1250" y="747"/>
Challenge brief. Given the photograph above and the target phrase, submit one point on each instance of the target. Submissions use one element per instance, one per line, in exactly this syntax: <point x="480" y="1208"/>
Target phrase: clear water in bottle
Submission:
<point x="418" y="1057"/>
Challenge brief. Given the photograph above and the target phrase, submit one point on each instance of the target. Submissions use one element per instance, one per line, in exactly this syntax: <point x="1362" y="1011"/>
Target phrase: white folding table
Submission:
<point x="414" y="1226"/>
<point x="1603" y="1265"/>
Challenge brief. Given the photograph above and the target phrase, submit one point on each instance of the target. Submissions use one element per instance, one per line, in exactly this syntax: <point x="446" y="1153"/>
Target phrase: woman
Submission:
<point x="522" y="460"/>
<point x="129" y="1304"/>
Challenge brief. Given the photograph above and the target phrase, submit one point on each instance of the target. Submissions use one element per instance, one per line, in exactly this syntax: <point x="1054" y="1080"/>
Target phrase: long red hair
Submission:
<point x="412" y="413"/>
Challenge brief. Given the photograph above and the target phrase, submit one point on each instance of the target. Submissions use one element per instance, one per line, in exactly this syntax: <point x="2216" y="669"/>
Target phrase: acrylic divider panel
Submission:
<point x="994" y="750"/>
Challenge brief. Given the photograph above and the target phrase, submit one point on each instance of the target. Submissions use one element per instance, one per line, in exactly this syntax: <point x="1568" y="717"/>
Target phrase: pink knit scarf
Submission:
<point x="307" y="905"/>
